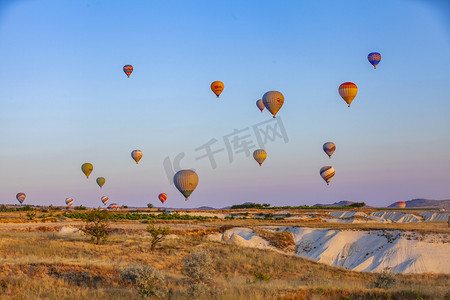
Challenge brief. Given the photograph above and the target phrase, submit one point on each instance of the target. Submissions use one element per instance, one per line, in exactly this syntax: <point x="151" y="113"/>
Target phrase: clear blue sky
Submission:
<point x="65" y="99"/>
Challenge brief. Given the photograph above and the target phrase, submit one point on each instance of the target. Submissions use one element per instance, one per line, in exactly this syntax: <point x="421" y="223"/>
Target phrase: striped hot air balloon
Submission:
<point x="329" y="148"/>
<point x="400" y="204"/>
<point x="348" y="91"/>
<point x="185" y="181"/>
<point x="260" y="105"/>
<point x="162" y="197"/>
<point x="217" y="87"/>
<point x="259" y="155"/>
<point x="327" y="173"/>
<point x="374" y="58"/>
<point x="113" y="206"/>
<point x="21" y="197"/>
<point x="69" y="201"/>
<point x="104" y="200"/>
<point x="128" y="69"/>
<point x="273" y="101"/>
<point x="136" y="155"/>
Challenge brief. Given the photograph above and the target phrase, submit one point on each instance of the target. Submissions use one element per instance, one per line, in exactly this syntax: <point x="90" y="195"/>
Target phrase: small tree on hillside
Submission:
<point x="157" y="234"/>
<point x="96" y="225"/>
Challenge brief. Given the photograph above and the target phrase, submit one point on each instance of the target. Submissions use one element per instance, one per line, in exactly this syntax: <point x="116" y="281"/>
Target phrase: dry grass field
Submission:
<point x="38" y="262"/>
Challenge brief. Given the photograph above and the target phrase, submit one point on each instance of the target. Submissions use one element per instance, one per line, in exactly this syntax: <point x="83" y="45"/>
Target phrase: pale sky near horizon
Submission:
<point x="65" y="100"/>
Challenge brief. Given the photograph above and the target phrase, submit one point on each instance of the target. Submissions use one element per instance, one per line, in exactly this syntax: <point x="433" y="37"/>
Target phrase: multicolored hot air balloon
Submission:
<point x="260" y="105"/>
<point x="104" y="200"/>
<point x="348" y="91"/>
<point x="128" y="69"/>
<point x="185" y="181"/>
<point x="87" y="169"/>
<point x="136" y="155"/>
<point x="374" y="58"/>
<point x="259" y="155"/>
<point x="69" y="201"/>
<point x="327" y="173"/>
<point x="21" y="197"/>
<point x="100" y="181"/>
<point x="329" y="148"/>
<point x="113" y="206"/>
<point x="162" y="197"/>
<point x="400" y="204"/>
<point x="217" y="87"/>
<point x="273" y="101"/>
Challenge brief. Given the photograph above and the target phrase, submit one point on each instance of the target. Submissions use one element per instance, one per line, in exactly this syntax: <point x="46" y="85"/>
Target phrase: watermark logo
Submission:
<point x="239" y="141"/>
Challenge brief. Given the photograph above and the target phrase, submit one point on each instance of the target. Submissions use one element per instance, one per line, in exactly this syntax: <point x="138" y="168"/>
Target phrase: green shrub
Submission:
<point x="96" y="225"/>
<point x="157" y="234"/>
<point x="385" y="280"/>
<point x="148" y="281"/>
<point x="261" y="276"/>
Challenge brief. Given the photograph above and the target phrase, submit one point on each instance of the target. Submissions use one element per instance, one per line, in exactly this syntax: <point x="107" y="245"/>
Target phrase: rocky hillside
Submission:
<point x="426" y="203"/>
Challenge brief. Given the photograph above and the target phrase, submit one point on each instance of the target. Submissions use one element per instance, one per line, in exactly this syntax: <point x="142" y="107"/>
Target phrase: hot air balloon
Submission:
<point x="100" y="181"/>
<point x="260" y="105"/>
<point x="348" y="91"/>
<point x="21" y="197"/>
<point x="104" y="200"/>
<point x="136" y="155"/>
<point x="329" y="148"/>
<point x="273" y="101"/>
<point x="217" y="87"/>
<point x="162" y="197"/>
<point x="259" y="155"/>
<point x="327" y="173"/>
<point x="69" y="201"/>
<point x="374" y="58"/>
<point x="128" y="69"/>
<point x="87" y="169"/>
<point x="400" y="204"/>
<point x="113" y="206"/>
<point x="186" y="181"/>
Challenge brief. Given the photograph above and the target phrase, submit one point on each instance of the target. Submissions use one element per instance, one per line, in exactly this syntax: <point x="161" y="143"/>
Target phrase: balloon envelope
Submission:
<point x="101" y="181"/>
<point x="374" y="58"/>
<point x="273" y="101"/>
<point x="104" y="200"/>
<point x="136" y="155"/>
<point x="348" y="91"/>
<point x="21" y="197"/>
<point x="162" y="197"/>
<point x="128" y="69"/>
<point x="113" y="206"/>
<point x="260" y="104"/>
<point x="87" y="169"/>
<point x="327" y="173"/>
<point x="69" y="201"/>
<point x="400" y="204"/>
<point x="259" y="155"/>
<point x="329" y="148"/>
<point x="185" y="181"/>
<point x="217" y="87"/>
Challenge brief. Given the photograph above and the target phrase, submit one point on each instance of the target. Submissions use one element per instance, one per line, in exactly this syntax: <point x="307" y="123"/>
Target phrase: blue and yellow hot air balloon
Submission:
<point x="329" y="148"/>
<point x="69" y="202"/>
<point x="374" y="58"/>
<point x="327" y="173"/>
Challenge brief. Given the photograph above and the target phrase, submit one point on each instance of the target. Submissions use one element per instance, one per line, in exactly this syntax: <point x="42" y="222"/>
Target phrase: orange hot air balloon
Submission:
<point x="217" y="87"/>
<point x="128" y="69"/>
<point x="348" y="91"/>
<point x="400" y="204"/>
<point x="162" y="197"/>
